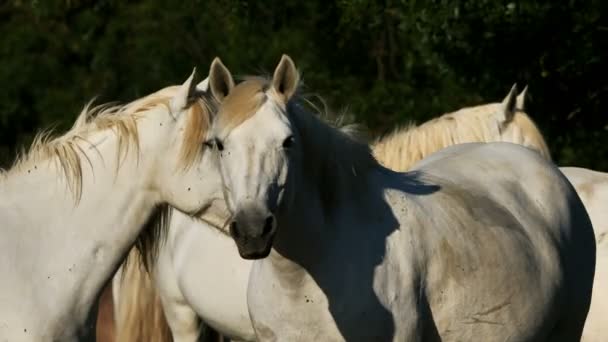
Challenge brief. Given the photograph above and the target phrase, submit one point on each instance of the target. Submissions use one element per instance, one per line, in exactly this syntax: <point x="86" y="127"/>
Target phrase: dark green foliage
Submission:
<point x="387" y="61"/>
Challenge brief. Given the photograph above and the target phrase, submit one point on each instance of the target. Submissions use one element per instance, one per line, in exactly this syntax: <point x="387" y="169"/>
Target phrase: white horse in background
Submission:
<point x="72" y="207"/>
<point x="492" y="122"/>
<point x="193" y="284"/>
<point x="479" y="242"/>
<point x="592" y="187"/>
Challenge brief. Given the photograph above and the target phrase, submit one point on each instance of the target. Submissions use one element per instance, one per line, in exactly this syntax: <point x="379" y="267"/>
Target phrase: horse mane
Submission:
<point x="122" y="119"/>
<point x="342" y="156"/>
<point x="138" y="312"/>
<point x="403" y="147"/>
<point x="530" y="131"/>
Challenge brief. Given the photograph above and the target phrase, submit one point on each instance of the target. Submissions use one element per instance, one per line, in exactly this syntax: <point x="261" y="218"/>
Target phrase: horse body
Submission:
<point x="73" y="206"/>
<point x="504" y="121"/>
<point x="466" y="262"/>
<point x="199" y="273"/>
<point x="481" y="241"/>
<point x="592" y="187"/>
<point x="595" y="326"/>
<point x="81" y="258"/>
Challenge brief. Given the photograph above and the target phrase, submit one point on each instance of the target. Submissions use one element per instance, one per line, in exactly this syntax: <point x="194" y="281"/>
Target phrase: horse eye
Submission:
<point x="219" y="144"/>
<point x="214" y="143"/>
<point x="287" y="143"/>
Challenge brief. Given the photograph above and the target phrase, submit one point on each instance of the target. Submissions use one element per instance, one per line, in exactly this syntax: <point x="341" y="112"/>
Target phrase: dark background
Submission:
<point x="389" y="62"/>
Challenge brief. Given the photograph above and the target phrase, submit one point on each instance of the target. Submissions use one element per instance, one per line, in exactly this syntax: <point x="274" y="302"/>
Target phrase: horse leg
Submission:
<point x="184" y="323"/>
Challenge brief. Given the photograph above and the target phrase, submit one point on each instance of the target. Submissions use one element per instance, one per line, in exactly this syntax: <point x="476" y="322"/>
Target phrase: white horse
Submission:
<point x="72" y="206"/>
<point x="592" y="187"/>
<point x="195" y="285"/>
<point x="480" y="242"/>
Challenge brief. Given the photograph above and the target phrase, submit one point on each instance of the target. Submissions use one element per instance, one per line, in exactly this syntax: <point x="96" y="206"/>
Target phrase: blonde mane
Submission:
<point x="405" y="146"/>
<point x="67" y="152"/>
<point x="341" y="154"/>
<point x="122" y="120"/>
<point x="139" y="311"/>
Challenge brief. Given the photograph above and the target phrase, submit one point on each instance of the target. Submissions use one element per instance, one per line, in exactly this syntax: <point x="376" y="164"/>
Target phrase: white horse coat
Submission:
<point x="481" y="242"/>
<point x="200" y="274"/>
<point x="73" y="206"/>
<point x="203" y="284"/>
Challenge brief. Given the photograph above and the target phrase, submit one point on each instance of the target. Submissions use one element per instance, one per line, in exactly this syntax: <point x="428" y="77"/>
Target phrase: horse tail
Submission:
<point x="138" y="310"/>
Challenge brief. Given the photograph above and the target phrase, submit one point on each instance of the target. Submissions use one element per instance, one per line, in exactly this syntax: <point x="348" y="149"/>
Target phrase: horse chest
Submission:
<point x="332" y="304"/>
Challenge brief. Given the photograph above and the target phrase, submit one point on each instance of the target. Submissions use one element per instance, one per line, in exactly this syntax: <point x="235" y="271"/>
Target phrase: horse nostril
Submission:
<point x="267" y="226"/>
<point x="233" y="231"/>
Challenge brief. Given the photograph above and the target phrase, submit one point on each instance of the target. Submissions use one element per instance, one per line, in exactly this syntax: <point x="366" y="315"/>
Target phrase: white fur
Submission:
<point x="481" y="242"/>
<point x="203" y="283"/>
<point x="482" y="281"/>
<point x="57" y="253"/>
<point x="200" y="274"/>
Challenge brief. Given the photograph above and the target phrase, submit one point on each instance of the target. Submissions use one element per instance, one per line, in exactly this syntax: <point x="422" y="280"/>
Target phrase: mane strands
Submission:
<point x="405" y="146"/>
<point x="122" y="120"/>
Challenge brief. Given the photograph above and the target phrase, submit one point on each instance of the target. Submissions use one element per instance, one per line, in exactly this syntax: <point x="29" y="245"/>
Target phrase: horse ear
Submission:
<point x="521" y="99"/>
<point x="180" y="100"/>
<point x="220" y="79"/>
<point x="286" y="78"/>
<point x="507" y="107"/>
<point x="203" y="85"/>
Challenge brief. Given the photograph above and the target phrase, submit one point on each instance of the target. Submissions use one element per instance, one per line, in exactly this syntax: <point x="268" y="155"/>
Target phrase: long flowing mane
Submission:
<point x="405" y="146"/>
<point x="67" y="152"/>
<point x="336" y="153"/>
<point x="122" y="120"/>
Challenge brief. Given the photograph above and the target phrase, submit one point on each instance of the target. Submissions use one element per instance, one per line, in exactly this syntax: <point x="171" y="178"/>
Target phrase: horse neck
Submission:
<point x="325" y="185"/>
<point x="72" y="245"/>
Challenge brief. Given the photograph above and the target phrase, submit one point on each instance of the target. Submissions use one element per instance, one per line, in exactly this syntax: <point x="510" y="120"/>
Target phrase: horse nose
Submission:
<point x="253" y="231"/>
<point x="252" y="224"/>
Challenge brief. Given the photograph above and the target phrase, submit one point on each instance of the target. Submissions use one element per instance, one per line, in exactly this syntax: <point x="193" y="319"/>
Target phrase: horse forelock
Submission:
<point x="242" y="103"/>
<point x="338" y="151"/>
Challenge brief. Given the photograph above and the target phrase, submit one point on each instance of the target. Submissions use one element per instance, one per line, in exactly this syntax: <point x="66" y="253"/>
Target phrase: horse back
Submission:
<point x="508" y="244"/>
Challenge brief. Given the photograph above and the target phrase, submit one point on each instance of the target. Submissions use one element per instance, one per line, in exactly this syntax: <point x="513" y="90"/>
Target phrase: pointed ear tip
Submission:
<point x="286" y="58"/>
<point x="217" y="61"/>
